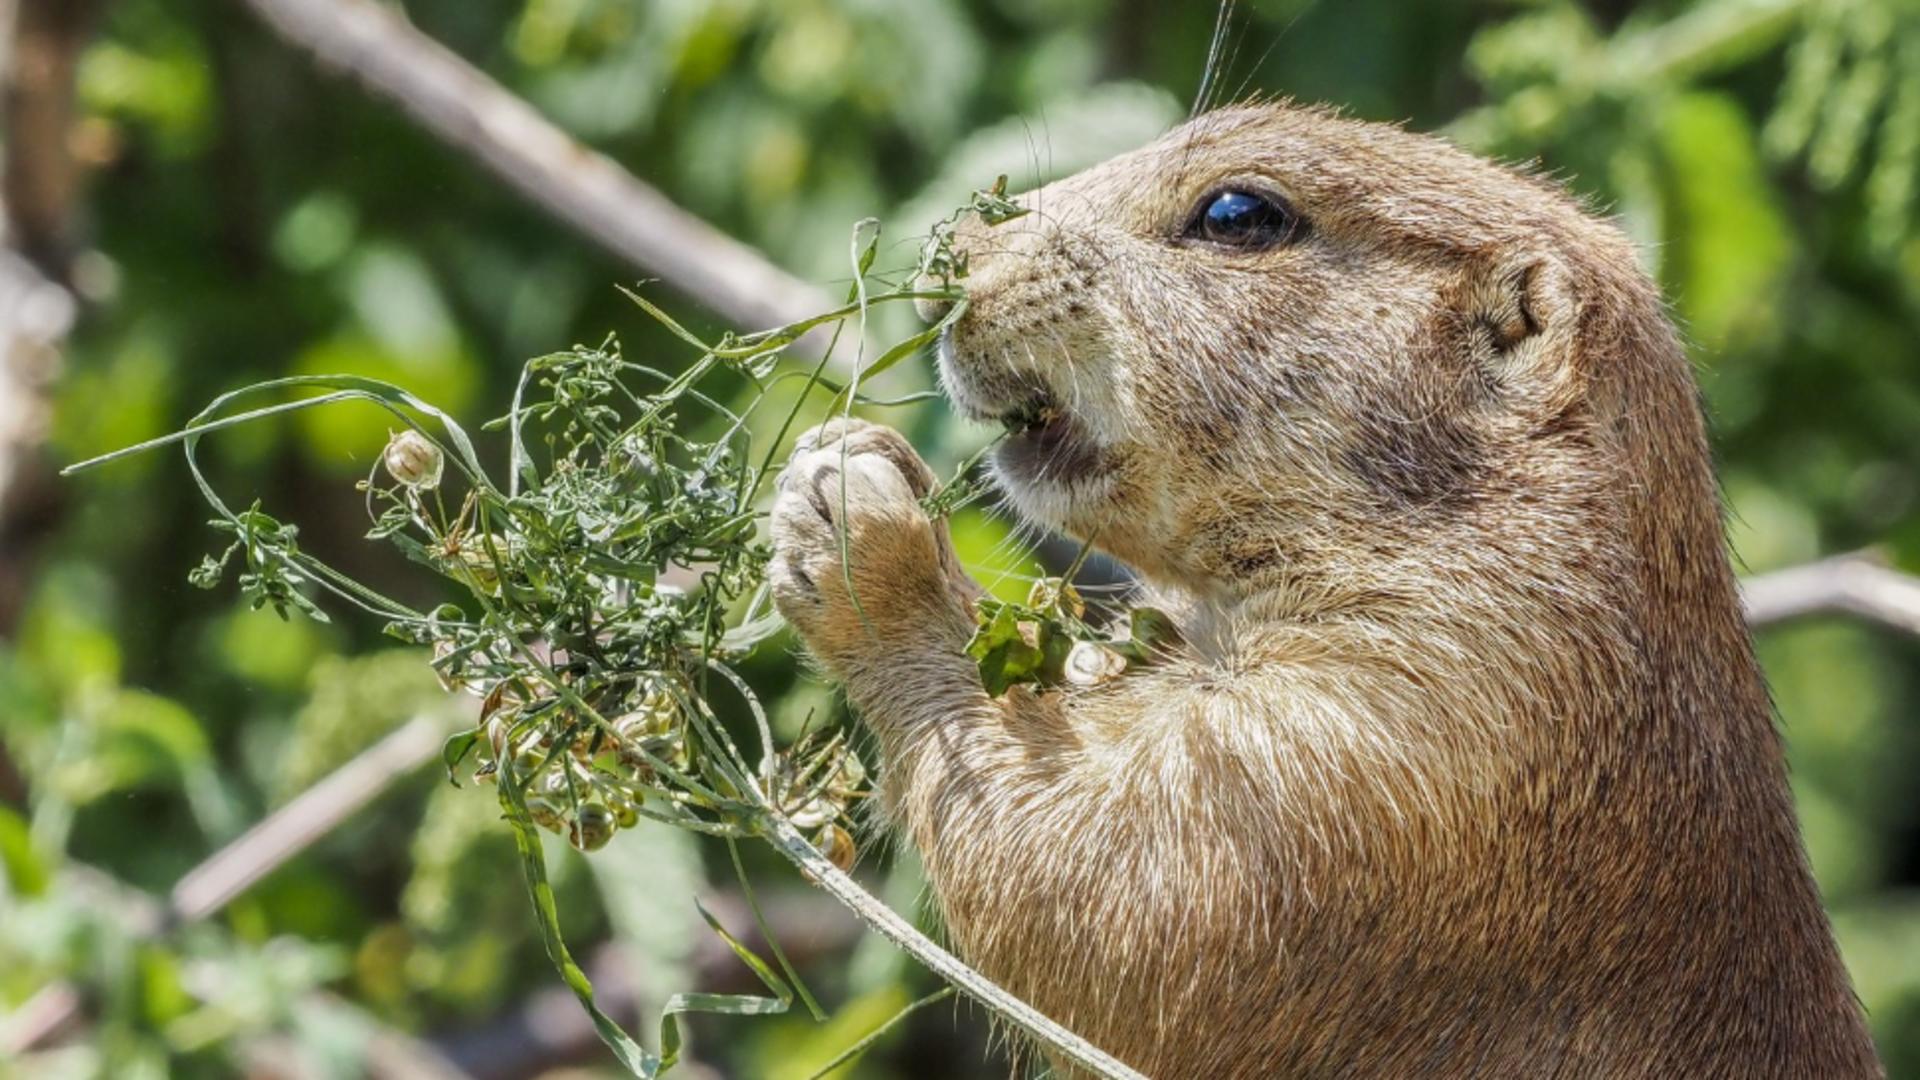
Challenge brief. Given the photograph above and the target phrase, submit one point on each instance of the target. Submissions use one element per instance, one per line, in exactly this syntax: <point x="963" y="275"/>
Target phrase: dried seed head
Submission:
<point x="473" y="563"/>
<point x="412" y="459"/>
<point x="837" y="845"/>
<point x="1090" y="663"/>
<point x="815" y="812"/>
<point x="544" y="813"/>
<point x="1047" y="593"/>
<point x="849" y="776"/>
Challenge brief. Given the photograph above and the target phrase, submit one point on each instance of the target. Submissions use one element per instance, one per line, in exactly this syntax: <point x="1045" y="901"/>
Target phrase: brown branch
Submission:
<point x="1859" y="584"/>
<point x="41" y="183"/>
<point x="40" y="46"/>
<point x="587" y="190"/>
<point x="311" y="815"/>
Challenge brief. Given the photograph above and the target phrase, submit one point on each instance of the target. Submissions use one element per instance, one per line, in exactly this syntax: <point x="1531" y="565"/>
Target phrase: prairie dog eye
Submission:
<point x="1240" y="218"/>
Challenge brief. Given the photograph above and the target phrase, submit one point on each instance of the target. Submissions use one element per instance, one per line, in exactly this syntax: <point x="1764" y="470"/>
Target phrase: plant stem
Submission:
<point x="885" y="921"/>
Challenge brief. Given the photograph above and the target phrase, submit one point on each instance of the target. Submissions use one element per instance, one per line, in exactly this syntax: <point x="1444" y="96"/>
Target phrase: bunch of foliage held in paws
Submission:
<point x="613" y="577"/>
<point x="1047" y="642"/>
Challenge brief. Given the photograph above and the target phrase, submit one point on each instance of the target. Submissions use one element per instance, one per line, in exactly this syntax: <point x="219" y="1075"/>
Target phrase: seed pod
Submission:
<point x="814" y="813"/>
<point x="1049" y="593"/>
<point x="448" y="682"/>
<point x="837" y="845"/>
<point x="849" y="776"/>
<point x="592" y="828"/>
<point x="472" y="562"/>
<point x="1090" y="663"/>
<point x="544" y="813"/>
<point x="412" y="459"/>
<point x="625" y="813"/>
<point x="642" y="724"/>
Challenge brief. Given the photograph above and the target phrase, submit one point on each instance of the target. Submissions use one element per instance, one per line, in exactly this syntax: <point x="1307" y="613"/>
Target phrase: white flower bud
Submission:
<point x="412" y="459"/>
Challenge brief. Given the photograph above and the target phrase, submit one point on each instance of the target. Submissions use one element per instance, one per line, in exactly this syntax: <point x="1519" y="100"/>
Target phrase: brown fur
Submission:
<point x="1468" y="768"/>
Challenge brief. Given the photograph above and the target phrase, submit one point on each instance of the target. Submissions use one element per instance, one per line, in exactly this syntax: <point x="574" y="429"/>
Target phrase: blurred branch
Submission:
<point x="41" y="183"/>
<point x="578" y="185"/>
<point x="310" y="815"/>
<point x="1859" y="584"/>
<point x="40" y="45"/>
<point x="231" y="870"/>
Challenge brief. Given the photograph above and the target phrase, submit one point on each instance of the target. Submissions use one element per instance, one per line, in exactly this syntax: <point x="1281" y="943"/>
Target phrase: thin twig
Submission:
<point x="580" y="186"/>
<point x="1857" y="584"/>
<point x="888" y="923"/>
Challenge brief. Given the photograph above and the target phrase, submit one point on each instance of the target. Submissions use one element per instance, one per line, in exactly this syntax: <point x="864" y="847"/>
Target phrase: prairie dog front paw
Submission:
<point x="863" y="482"/>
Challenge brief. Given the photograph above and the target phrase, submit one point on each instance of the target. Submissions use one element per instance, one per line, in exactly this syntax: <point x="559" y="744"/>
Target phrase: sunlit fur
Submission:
<point x="1466" y="767"/>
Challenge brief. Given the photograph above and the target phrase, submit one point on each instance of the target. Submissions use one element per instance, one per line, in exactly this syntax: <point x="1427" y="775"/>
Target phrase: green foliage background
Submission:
<point x="254" y="218"/>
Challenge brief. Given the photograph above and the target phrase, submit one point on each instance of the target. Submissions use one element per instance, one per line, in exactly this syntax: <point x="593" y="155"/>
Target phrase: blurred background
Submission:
<point x="194" y="202"/>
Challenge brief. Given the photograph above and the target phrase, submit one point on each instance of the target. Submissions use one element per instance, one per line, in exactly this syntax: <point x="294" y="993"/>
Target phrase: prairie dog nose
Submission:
<point x="981" y="240"/>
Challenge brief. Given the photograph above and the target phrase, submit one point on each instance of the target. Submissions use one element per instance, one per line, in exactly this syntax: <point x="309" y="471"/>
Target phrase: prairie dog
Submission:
<point x="1467" y="767"/>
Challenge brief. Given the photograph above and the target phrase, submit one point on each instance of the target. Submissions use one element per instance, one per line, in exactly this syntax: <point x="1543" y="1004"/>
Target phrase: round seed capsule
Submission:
<point x="412" y="459"/>
<point x="592" y="828"/>
<point x="625" y="813"/>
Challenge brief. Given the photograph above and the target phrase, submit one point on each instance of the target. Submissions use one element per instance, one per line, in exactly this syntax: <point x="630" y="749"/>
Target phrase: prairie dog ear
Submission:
<point x="1524" y="304"/>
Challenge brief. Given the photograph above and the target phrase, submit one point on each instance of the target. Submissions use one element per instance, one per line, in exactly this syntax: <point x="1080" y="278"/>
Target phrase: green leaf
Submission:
<point x="1734" y="247"/>
<point x="850" y="1053"/>
<point x="1004" y="656"/>
<point x="26" y="873"/>
<point x="455" y="750"/>
<point x="1149" y="631"/>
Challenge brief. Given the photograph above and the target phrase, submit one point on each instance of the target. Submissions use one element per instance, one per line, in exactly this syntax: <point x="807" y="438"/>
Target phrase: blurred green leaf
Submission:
<point x="26" y="873"/>
<point x="1736" y="247"/>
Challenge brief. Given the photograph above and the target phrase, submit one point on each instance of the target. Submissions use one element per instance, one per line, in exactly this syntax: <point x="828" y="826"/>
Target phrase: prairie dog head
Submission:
<point x="1276" y="339"/>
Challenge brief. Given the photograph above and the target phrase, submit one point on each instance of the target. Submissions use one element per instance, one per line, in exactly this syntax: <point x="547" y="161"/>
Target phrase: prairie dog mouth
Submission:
<point x="1046" y="444"/>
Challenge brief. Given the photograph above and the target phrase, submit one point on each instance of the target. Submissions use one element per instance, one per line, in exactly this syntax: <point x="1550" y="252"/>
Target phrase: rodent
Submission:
<point x="1466" y="767"/>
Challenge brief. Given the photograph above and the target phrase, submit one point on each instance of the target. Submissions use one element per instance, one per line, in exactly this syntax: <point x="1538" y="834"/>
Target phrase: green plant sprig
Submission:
<point x="611" y="583"/>
<point x="1047" y="641"/>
